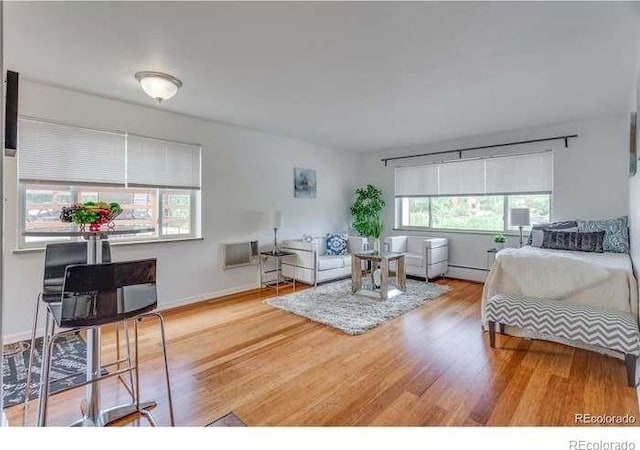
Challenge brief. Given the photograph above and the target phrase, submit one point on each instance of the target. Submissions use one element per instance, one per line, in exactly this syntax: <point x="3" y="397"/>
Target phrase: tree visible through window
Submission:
<point x="468" y="213"/>
<point x="473" y="213"/>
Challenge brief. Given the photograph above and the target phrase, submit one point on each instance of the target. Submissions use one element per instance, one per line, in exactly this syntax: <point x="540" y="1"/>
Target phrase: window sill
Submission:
<point x="484" y="233"/>
<point x="118" y="244"/>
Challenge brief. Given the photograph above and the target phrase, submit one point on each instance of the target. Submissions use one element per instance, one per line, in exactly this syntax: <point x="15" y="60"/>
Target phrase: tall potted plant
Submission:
<point x="367" y="212"/>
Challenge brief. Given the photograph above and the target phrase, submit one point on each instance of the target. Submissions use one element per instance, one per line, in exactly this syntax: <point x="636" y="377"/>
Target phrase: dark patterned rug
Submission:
<point x="69" y="357"/>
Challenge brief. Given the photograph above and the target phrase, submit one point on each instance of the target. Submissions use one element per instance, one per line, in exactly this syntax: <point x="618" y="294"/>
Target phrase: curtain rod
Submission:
<point x="460" y="150"/>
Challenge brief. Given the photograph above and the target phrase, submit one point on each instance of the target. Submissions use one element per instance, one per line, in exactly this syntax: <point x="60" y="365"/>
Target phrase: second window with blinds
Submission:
<point x="156" y="182"/>
<point x="474" y="195"/>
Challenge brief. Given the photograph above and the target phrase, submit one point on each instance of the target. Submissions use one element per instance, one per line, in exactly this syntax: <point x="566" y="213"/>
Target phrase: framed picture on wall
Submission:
<point x="633" y="153"/>
<point x="304" y="183"/>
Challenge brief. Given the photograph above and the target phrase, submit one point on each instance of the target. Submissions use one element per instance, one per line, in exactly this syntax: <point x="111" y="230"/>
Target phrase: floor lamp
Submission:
<point x="519" y="217"/>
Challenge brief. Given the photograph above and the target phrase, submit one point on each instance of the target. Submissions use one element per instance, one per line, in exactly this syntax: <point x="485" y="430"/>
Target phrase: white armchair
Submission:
<point x="425" y="257"/>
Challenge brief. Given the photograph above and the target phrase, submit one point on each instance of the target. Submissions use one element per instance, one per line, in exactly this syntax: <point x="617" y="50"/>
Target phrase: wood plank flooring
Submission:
<point x="432" y="366"/>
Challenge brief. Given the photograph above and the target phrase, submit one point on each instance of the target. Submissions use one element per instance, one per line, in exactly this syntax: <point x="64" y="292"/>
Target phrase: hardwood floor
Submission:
<point x="432" y="366"/>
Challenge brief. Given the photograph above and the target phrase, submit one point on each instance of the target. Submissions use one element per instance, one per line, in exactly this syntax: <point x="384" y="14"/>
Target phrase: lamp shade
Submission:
<point x="275" y="219"/>
<point x="519" y="217"/>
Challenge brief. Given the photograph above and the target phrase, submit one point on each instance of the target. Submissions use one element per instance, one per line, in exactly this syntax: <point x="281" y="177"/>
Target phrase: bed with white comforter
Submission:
<point x="603" y="280"/>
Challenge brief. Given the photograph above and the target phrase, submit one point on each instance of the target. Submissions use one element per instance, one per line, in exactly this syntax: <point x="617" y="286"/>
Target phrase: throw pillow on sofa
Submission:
<point x="337" y="244"/>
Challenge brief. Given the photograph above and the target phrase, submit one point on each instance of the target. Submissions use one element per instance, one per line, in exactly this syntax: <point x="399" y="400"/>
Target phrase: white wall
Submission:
<point x="244" y="173"/>
<point x="590" y="178"/>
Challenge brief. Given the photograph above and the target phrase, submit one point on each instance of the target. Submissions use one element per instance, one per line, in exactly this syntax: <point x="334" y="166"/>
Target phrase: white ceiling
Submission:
<point x="361" y="76"/>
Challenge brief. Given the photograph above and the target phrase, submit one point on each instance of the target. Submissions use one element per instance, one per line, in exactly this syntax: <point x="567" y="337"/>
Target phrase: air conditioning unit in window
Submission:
<point x="240" y="254"/>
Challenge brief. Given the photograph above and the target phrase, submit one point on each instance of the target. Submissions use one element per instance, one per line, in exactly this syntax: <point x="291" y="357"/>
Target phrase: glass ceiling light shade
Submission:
<point x="158" y="85"/>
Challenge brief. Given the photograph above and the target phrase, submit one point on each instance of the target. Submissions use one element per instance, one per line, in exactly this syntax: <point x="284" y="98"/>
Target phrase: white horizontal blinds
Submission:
<point x="162" y="164"/>
<point x="527" y="173"/>
<point x="55" y="153"/>
<point x="461" y="178"/>
<point x="522" y="173"/>
<point x="418" y="180"/>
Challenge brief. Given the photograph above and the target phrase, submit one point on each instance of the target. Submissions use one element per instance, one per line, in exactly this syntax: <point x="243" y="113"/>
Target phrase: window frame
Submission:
<point x="75" y="190"/>
<point x="505" y="217"/>
<point x="193" y="214"/>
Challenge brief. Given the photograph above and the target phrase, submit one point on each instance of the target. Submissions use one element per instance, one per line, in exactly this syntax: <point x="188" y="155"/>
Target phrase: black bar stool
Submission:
<point x="99" y="294"/>
<point x="56" y="259"/>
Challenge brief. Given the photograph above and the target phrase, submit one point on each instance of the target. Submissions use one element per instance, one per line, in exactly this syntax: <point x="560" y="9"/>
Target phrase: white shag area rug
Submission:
<point x="333" y="304"/>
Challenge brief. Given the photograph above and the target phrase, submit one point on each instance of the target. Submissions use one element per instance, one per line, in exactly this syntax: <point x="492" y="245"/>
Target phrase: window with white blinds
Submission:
<point x="527" y="173"/>
<point x="56" y="153"/>
<point x="474" y="194"/>
<point x="532" y="173"/>
<point x="64" y="154"/>
<point x="156" y="182"/>
<point x="164" y="164"/>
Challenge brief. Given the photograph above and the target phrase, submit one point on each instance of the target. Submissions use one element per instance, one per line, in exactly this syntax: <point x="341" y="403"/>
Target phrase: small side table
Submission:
<point x="491" y="257"/>
<point x="264" y="257"/>
<point x="381" y="259"/>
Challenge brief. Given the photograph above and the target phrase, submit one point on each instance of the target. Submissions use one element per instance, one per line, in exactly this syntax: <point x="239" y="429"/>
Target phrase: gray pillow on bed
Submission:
<point x="591" y="241"/>
<point x="535" y="237"/>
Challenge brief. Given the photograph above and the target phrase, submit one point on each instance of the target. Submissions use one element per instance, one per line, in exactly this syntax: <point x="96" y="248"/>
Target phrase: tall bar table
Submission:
<point x="93" y="415"/>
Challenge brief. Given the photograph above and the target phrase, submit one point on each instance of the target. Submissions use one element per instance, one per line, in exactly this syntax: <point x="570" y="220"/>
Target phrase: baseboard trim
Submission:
<point x="217" y="295"/>
<point x="467" y="273"/>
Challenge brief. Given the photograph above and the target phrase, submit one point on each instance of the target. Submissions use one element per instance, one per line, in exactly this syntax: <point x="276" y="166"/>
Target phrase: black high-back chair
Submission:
<point x="56" y="259"/>
<point x="100" y="294"/>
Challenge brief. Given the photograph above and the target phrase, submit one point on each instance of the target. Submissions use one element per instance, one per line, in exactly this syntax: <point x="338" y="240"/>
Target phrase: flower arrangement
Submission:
<point x="95" y="214"/>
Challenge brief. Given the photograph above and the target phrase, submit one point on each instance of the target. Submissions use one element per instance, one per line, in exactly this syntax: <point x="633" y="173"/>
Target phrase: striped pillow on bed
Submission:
<point x="573" y="240"/>
<point x="535" y="237"/>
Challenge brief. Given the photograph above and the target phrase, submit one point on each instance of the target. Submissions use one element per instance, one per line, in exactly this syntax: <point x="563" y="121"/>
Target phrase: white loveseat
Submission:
<point x="312" y="264"/>
<point x="425" y="257"/>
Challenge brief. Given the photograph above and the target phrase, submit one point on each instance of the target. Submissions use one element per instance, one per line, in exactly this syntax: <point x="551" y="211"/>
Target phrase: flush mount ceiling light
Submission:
<point x="158" y="85"/>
